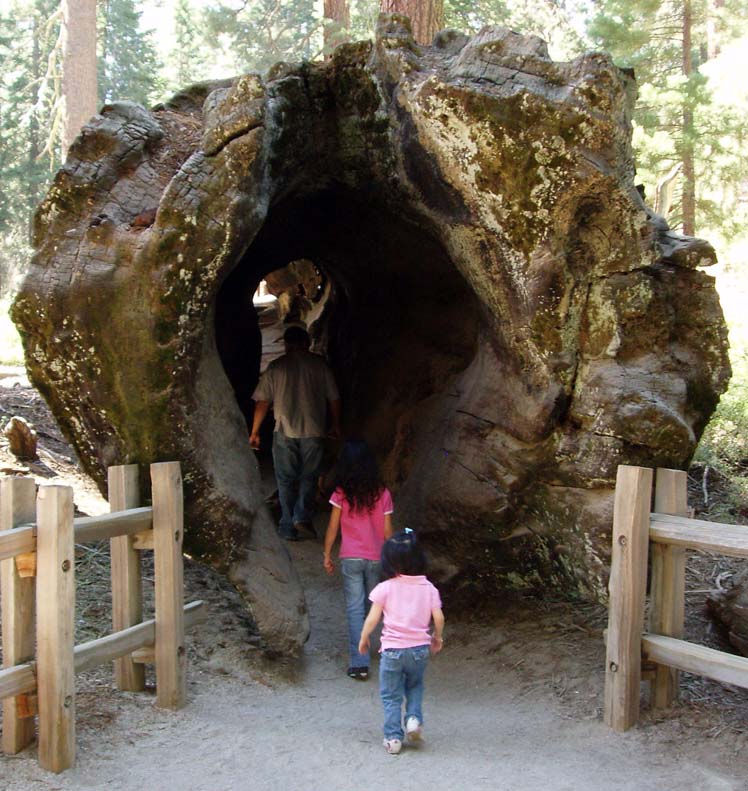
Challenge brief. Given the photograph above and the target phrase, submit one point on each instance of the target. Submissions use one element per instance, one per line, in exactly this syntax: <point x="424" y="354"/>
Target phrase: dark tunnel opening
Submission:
<point x="394" y="316"/>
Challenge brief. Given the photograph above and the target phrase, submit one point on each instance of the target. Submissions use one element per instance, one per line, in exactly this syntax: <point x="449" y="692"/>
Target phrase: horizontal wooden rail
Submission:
<point x="697" y="534"/>
<point x="113" y="646"/>
<point x="698" y="659"/>
<point x="17" y="541"/>
<point x="22" y="678"/>
<point x="17" y="679"/>
<point x="121" y="523"/>
<point x="87" y="529"/>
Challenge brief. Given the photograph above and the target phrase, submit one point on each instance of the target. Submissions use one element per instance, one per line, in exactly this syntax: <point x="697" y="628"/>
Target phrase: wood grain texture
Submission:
<point x="17" y="605"/>
<point x="628" y="579"/>
<point x="127" y="583"/>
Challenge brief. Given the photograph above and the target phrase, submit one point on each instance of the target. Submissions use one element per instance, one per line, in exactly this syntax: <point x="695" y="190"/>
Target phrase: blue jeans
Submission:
<point x="297" y="462"/>
<point x="401" y="680"/>
<point x="359" y="578"/>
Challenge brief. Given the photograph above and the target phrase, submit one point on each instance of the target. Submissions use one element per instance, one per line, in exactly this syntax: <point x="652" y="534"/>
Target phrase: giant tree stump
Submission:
<point x="507" y="320"/>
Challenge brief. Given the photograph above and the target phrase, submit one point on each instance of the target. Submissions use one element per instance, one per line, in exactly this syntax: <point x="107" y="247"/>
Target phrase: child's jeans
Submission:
<point x="401" y="678"/>
<point x="360" y="576"/>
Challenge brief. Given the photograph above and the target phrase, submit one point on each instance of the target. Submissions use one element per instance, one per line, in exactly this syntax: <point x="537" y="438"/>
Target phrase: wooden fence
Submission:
<point x="664" y="536"/>
<point x="38" y="534"/>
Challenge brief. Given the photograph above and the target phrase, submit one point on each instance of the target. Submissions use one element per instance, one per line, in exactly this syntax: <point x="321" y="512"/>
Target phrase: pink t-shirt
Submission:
<point x="362" y="532"/>
<point x="407" y="603"/>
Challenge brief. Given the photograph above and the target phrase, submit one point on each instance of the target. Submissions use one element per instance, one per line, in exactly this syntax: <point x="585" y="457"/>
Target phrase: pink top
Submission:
<point x="362" y="532"/>
<point x="407" y="603"/>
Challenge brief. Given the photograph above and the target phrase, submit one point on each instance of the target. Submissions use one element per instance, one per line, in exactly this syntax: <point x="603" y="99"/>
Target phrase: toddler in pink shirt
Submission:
<point x="409" y="603"/>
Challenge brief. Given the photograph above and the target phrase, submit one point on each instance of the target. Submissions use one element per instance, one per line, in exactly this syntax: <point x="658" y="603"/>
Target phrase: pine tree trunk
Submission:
<point x="79" y="99"/>
<point x="426" y="16"/>
<point x="688" y="201"/>
<point x="337" y="22"/>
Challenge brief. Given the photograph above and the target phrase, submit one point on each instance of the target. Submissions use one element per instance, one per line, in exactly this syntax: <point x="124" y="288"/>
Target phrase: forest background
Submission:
<point x="690" y="58"/>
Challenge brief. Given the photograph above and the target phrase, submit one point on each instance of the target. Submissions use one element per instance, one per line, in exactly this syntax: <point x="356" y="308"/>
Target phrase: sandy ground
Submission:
<point x="512" y="703"/>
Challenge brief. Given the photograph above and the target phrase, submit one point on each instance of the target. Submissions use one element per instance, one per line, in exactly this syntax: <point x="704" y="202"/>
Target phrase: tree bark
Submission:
<point x="688" y="200"/>
<point x="337" y="22"/>
<point x="79" y="99"/>
<point x="426" y="16"/>
<point x="504" y="395"/>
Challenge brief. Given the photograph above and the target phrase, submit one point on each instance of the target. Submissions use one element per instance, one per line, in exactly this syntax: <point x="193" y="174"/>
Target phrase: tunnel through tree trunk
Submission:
<point x="398" y="325"/>
<point x="507" y="319"/>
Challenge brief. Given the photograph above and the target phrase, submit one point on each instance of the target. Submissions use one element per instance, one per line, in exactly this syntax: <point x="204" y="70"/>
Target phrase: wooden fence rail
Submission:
<point x="664" y="536"/>
<point x="38" y="535"/>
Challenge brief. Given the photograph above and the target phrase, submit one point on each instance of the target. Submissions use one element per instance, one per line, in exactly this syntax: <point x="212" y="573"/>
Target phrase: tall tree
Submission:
<point x="29" y="31"/>
<point x="78" y="95"/>
<point x="426" y="16"/>
<point x="688" y="199"/>
<point x="682" y="138"/>
<point x="186" y="55"/>
<point x="337" y="23"/>
<point x="129" y="66"/>
<point x="260" y="33"/>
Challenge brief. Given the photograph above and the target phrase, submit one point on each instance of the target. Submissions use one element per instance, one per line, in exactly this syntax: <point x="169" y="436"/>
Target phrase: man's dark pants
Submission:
<point x="297" y="463"/>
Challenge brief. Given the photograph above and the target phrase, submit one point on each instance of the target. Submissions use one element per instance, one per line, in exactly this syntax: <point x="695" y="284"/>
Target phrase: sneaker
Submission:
<point x="359" y="673"/>
<point x="393" y="746"/>
<point x="413" y="729"/>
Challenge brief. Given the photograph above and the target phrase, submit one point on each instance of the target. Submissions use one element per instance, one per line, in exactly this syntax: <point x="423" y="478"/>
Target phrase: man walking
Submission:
<point x="301" y="387"/>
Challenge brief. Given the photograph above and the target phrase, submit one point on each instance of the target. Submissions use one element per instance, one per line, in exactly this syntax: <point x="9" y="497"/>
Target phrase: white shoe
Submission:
<point x="413" y="730"/>
<point x="393" y="746"/>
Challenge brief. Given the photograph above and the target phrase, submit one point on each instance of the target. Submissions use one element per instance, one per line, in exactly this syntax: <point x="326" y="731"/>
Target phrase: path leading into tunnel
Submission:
<point x="486" y="728"/>
<point x="494" y="718"/>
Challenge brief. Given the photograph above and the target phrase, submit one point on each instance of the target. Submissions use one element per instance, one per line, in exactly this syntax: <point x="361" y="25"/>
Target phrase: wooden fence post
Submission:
<point x="171" y="689"/>
<point x="55" y="627"/>
<point x="627" y="588"/>
<point x="17" y="506"/>
<point x="127" y="584"/>
<point x="668" y="582"/>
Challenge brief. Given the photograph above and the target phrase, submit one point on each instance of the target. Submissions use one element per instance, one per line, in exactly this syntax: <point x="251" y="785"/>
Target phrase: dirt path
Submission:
<point x="513" y="702"/>
<point x="514" y="705"/>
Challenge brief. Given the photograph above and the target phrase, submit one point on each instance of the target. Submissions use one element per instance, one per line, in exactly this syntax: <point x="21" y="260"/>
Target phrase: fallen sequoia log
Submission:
<point x="507" y="320"/>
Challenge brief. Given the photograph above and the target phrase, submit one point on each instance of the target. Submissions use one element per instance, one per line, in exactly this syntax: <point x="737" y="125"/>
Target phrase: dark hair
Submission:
<point x="357" y="474"/>
<point x="402" y="554"/>
<point x="296" y="336"/>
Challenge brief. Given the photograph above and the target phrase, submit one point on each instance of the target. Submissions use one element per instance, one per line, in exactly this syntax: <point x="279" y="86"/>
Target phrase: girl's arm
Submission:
<point x="332" y="533"/>
<point x="372" y="619"/>
<point x="387" y="526"/>
<point x="436" y="638"/>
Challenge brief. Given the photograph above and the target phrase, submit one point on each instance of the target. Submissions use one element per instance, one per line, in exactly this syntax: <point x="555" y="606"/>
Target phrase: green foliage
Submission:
<point x="724" y="444"/>
<point x="550" y="19"/>
<point x="677" y="113"/>
<point x="129" y="66"/>
<point x="364" y="15"/>
<point x="28" y="33"/>
<point x="186" y="55"/>
<point x="260" y="33"/>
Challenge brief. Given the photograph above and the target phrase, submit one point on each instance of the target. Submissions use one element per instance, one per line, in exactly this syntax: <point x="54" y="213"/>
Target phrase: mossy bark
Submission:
<point x="506" y="318"/>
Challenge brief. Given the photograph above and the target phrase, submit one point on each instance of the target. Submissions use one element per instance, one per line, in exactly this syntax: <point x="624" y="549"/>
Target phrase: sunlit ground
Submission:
<point x="11" y="352"/>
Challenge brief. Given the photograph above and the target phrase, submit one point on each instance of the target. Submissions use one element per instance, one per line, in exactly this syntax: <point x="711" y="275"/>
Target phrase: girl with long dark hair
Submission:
<point x="362" y="513"/>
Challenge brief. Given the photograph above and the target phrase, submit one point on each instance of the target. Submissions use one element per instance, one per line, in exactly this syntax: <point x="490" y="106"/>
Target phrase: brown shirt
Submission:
<point x="299" y="384"/>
